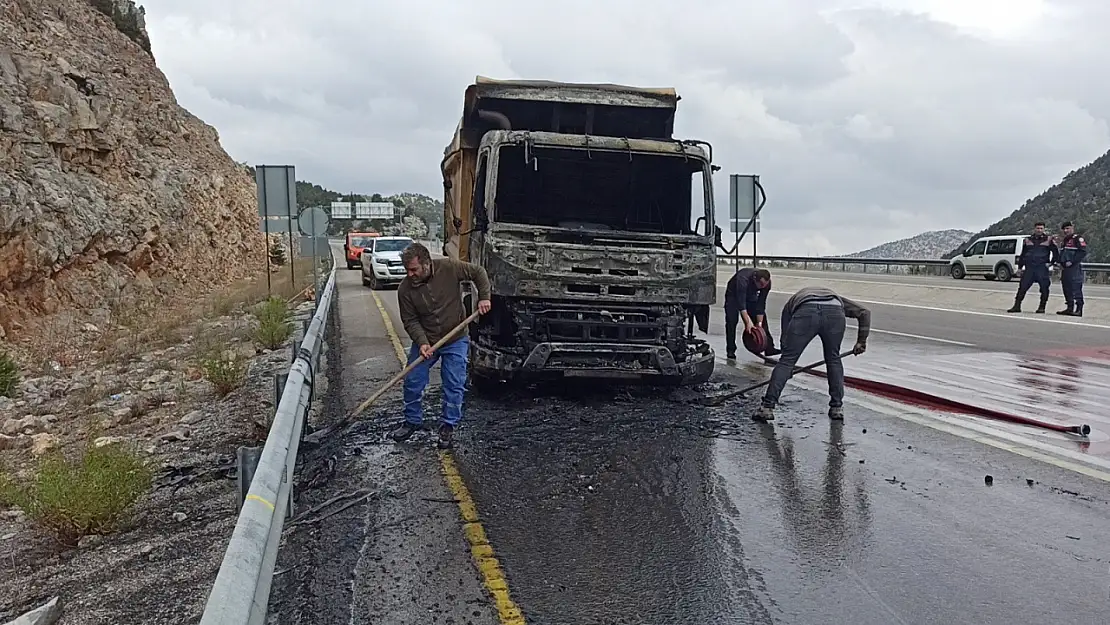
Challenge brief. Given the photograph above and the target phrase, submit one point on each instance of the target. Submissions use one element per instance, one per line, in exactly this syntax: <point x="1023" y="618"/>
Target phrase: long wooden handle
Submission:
<point x="720" y="399"/>
<point x="412" y="365"/>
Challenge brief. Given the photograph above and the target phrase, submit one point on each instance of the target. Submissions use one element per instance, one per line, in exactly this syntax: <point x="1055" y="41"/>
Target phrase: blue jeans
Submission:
<point x="808" y="322"/>
<point x="452" y="371"/>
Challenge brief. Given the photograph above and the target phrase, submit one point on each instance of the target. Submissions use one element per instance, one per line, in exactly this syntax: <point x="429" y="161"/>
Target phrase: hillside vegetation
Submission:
<point x="1083" y="197"/>
<point x="925" y="246"/>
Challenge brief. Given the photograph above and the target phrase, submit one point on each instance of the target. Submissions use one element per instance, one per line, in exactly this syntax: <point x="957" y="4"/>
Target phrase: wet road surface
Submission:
<point x="640" y="509"/>
<point x="1047" y="371"/>
<point x="993" y="332"/>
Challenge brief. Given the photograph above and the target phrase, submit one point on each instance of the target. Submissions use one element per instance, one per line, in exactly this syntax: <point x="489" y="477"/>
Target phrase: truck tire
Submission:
<point x="488" y="387"/>
<point x="958" y="271"/>
<point x="1003" y="272"/>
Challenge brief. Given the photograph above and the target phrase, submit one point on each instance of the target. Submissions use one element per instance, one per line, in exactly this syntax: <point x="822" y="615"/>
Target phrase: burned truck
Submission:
<point x="595" y="226"/>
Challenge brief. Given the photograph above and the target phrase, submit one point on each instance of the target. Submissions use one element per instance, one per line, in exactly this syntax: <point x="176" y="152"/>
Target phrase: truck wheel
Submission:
<point x="1003" y="272"/>
<point x="488" y="387"/>
<point x="958" y="271"/>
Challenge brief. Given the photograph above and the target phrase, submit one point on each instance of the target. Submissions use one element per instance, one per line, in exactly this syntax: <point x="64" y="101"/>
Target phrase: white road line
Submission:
<point x="1092" y="466"/>
<point x="964" y="312"/>
<point x="917" y="336"/>
<point x="911" y="284"/>
<point x="972" y="312"/>
<point x="959" y="312"/>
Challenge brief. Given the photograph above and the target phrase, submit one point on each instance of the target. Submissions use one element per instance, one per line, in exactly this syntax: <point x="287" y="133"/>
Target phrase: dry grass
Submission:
<point x="253" y="290"/>
<point x="130" y="329"/>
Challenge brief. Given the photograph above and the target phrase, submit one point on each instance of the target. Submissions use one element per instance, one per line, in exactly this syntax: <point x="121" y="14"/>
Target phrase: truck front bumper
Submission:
<point x="650" y="364"/>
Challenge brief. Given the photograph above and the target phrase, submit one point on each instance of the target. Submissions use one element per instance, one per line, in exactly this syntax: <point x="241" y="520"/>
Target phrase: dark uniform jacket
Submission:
<point x="1073" y="249"/>
<point x="1038" y="253"/>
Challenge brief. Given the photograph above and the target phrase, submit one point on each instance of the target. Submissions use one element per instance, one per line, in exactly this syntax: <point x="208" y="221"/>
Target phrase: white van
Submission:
<point x="991" y="257"/>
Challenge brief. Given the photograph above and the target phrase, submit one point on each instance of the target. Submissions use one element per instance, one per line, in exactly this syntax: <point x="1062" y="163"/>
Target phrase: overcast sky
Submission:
<point x="867" y="121"/>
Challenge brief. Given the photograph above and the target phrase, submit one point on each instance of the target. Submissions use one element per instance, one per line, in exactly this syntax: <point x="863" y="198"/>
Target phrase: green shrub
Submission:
<point x="127" y="21"/>
<point x="9" y="375"/>
<point x="226" y="372"/>
<point x="81" y="497"/>
<point x="274" y="325"/>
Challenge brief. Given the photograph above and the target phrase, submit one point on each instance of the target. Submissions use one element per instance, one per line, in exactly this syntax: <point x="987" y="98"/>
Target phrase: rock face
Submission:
<point x="109" y="191"/>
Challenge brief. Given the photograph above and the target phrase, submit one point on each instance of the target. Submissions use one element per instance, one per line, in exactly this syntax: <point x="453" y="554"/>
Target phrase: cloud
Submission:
<point x="866" y="121"/>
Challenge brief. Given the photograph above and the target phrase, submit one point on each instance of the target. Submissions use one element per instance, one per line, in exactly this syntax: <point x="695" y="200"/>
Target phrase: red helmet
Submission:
<point x="755" y="341"/>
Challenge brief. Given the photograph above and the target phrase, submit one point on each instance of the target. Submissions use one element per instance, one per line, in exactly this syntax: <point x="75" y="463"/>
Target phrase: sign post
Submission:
<point x="743" y="198"/>
<point x="313" y="224"/>
<point x="277" y="203"/>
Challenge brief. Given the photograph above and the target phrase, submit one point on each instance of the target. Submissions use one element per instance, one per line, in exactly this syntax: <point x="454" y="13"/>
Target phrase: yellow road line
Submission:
<point x="264" y="502"/>
<point x="481" y="551"/>
<point x="391" y="331"/>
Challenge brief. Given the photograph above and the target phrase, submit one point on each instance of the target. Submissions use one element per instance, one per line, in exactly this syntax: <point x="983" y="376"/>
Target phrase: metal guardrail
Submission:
<point x="932" y="266"/>
<point x="241" y="593"/>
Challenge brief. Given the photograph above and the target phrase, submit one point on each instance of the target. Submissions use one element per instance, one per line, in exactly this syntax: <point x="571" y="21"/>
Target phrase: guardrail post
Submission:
<point x="279" y="387"/>
<point x="246" y="459"/>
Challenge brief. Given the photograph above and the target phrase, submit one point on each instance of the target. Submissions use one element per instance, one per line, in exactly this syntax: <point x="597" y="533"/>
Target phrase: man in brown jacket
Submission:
<point x="431" y="305"/>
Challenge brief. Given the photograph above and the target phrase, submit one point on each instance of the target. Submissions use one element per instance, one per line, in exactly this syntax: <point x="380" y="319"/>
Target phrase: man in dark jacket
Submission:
<point x="746" y="299"/>
<point x="430" y="299"/>
<point x="816" y="311"/>
<point x="1037" y="253"/>
<point x="1073" y="251"/>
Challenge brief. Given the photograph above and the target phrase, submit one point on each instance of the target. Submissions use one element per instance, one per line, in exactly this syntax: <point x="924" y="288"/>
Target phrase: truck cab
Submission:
<point x="596" y="229"/>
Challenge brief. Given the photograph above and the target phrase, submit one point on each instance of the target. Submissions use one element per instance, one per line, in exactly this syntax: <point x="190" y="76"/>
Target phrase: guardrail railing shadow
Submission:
<point x="241" y="592"/>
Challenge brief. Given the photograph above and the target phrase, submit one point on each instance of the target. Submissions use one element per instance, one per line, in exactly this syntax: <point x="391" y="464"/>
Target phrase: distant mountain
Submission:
<point x="927" y="245"/>
<point x="1083" y="197"/>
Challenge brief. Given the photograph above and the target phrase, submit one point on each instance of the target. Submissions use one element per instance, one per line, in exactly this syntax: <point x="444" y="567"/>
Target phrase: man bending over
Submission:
<point x="811" y="312"/>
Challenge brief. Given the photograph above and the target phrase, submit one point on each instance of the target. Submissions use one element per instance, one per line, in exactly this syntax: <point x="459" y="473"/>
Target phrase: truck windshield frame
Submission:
<point x="599" y="189"/>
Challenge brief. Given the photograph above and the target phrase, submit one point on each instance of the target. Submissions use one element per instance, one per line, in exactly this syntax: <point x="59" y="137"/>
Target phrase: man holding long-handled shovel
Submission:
<point x="815" y="312"/>
<point x="431" y="308"/>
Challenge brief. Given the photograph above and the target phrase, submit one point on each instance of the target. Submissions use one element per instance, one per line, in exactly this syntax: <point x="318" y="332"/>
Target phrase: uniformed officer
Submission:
<point x="745" y="298"/>
<point x="1037" y="253"/>
<point x="1073" y="250"/>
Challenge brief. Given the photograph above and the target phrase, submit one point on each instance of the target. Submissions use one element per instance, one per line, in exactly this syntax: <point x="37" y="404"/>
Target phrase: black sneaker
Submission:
<point x="772" y="351"/>
<point x="731" y="356"/>
<point x="445" y="432"/>
<point x="404" y="432"/>
<point x="836" y="413"/>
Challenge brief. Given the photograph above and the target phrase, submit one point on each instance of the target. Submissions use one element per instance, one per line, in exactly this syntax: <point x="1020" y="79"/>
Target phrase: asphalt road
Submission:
<point x="624" y="507"/>
<point x="980" y="331"/>
<point x="1096" y="292"/>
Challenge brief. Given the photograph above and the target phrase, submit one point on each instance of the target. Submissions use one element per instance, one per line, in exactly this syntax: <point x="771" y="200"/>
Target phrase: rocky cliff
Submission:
<point x="109" y="190"/>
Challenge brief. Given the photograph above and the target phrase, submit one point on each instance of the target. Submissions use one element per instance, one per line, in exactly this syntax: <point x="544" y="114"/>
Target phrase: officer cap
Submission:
<point x="1066" y="224"/>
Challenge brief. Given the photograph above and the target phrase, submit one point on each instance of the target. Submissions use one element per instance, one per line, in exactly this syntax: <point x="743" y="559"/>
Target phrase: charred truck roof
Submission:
<point x="583" y="209"/>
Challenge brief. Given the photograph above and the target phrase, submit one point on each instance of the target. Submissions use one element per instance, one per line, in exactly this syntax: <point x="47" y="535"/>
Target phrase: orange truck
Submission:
<point x="353" y="246"/>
